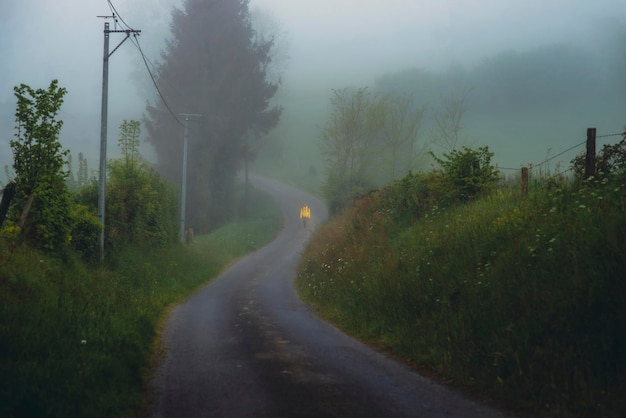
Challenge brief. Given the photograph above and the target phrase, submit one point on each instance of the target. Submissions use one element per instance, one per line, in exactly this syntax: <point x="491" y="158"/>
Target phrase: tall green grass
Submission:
<point x="519" y="298"/>
<point x="76" y="340"/>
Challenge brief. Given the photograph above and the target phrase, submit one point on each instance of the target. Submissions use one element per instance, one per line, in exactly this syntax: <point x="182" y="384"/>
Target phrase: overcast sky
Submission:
<point x="333" y="42"/>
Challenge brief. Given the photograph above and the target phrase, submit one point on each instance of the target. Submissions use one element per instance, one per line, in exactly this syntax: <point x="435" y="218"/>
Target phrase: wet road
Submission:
<point x="246" y="346"/>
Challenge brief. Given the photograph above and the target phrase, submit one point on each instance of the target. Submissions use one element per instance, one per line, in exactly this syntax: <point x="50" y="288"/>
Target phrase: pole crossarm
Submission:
<point x="128" y="32"/>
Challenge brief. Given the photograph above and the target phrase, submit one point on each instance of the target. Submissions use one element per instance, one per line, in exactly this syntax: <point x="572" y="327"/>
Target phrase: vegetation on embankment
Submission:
<point x="76" y="334"/>
<point x="75" y="340"/>
<point x="520" y="298"/>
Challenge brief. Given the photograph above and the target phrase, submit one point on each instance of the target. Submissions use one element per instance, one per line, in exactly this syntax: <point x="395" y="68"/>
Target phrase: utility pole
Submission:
<point x="103" y="123"/>
<point x="183" y="192"/>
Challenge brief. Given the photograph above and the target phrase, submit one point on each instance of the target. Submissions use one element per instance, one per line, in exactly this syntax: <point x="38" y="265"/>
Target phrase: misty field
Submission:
<point x="517" y="297"/>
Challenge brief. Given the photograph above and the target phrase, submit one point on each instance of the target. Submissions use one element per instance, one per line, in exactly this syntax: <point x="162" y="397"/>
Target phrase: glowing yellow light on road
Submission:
<point x="305" y="212"/>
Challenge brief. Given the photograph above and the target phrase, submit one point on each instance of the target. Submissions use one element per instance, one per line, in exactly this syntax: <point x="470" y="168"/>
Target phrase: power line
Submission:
<point x="162" y="76"/>
<point x="145" y="61"/>
<point x="115" y="13"/>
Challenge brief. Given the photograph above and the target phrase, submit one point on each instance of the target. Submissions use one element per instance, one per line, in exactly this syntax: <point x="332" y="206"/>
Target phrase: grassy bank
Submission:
<point x="75" y="340"/>
<point x="518" y="298"/>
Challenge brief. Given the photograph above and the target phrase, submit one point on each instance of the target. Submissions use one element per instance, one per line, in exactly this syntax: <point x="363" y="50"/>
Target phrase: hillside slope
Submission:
<point x="517" y="297"/>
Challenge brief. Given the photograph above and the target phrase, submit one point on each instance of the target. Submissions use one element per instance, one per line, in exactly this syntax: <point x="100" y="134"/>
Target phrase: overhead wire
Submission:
<point x="115" y="13"/>
<point x="145" y="61"/>
<point x="156" y="69"/>
<point x="135" y="41"/>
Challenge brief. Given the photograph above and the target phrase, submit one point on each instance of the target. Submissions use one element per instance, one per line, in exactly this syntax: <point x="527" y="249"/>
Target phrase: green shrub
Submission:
<point x="521" y="298"/>
<point x="76" y="339"/>
<point x="611" y="159"/>
<point x="142" y="208"/>
<point x="467" y="173"/>
<point x="85" y="234"/>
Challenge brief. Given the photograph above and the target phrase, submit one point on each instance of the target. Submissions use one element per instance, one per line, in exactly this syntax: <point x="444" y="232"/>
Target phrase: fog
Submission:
<point x="42" y="40"/>
<point x="331" y="44"/>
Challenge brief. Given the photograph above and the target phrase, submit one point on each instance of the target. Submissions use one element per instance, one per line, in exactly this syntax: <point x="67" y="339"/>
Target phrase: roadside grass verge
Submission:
<point x="75" y="340"/>
<point x="520" y="299"/>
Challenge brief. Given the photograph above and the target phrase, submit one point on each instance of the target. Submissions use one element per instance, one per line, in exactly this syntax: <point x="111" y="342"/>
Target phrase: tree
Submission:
<point x="400" y="126"/>
<point x="269" y="29"/>
<point x="41" y="206"/>
<point x="347" y="140"/>
<point x="448" y="119"/>
<point x="215" y="66"/>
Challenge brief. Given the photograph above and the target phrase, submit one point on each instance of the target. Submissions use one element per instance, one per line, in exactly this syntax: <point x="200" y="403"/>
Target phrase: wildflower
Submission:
<point x="83" y="342"/>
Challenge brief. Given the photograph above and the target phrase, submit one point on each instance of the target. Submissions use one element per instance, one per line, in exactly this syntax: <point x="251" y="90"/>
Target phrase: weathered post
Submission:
<point x="590" y="156"/>
<point x="524" y="181"/>
<point x="7" y="197"/>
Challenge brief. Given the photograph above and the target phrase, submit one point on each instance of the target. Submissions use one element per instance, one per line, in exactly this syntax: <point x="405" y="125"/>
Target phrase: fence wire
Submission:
<point x="533" y="165"/>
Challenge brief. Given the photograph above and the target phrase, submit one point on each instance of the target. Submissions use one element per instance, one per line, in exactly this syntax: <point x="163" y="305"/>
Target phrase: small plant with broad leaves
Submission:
<point x="466" y="173"/>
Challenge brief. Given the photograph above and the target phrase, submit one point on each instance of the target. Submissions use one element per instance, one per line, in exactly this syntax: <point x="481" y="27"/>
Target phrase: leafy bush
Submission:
<point x="85" y="232"/>
<point x="521" y="298"/>
<point x="76" y="340"/>
<point x="412" y="196"/>
<point x="466" y="173"/>
<point x="611" y="159"/>
<point x="141" y="207"/>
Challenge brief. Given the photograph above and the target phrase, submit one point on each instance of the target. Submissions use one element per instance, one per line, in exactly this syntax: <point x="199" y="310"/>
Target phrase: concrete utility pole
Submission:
<point x="103" y="123"/>
<point x="183" y="192"/>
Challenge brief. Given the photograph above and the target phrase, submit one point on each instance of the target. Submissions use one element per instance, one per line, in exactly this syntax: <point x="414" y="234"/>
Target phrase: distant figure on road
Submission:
<point x="305" y="213"/>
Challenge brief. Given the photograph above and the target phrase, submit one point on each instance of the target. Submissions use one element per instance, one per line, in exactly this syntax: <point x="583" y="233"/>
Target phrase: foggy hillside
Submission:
<point x="540" y="73"/>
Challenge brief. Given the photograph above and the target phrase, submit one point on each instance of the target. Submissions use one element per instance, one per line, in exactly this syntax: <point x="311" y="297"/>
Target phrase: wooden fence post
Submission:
<point x="590" y="156"/>
<point x="524" y="181"/>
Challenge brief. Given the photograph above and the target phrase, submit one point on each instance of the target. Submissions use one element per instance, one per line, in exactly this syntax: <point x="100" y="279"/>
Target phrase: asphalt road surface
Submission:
<point x="246" y="346"/>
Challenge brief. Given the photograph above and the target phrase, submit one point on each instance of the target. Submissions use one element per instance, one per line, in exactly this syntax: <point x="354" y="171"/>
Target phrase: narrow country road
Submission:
<point x="246" y="346"/>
